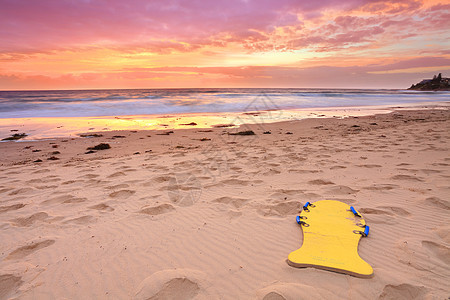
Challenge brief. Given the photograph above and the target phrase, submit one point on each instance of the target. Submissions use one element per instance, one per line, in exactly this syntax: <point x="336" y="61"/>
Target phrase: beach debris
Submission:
<point x="38" y="160"/>
<point x="373" y="124"/>
<point x="208" y="130"/>
<point x="136" y="153"/>
<point x="64" y="141"/>
<point x="14" y="130"/>
<point x="90" y="151"/>
<point x="27" y="147"/>
<point x="53" y="158"/>
<point x="204" y="139"/>
<point x="91" y="135"/>
<point x="118" y="137"/>
<point x="36" y="150"/>
<point x="289" y="132"/>
<point x="165" y="133"/>
<point x="15" y="136"/>
<point x="56" y="152"/>
<point x="267" y="132"/>
<point x="55" y="146"/>
<point x="190" y="124"/>
<point x="246" y="132"/>
<point x="223" y="125"/>
<point x="148" y="151"/>
<point x="355" y="126"/>
<point x="179" y="147"/>
<point x="101" y="146"/>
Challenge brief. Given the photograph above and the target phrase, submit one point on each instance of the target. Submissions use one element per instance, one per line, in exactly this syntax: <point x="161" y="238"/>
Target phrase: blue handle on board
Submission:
<point x="366" y="231"/>
<point x="298" y="219"/>
<point x="354" y="211"/>
<point x="306" y="205"/>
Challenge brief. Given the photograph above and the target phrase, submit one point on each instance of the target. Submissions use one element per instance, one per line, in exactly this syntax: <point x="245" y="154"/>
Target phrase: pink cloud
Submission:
<point x="50" y="24"/>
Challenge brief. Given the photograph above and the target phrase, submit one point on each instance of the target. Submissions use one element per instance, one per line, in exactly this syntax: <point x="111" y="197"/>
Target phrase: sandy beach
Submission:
<point x="203" y="214"/>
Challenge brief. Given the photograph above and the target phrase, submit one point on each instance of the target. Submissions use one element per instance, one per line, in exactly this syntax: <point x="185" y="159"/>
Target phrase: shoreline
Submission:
<point x="70" y="127"/>
<point x="133" y="142"/>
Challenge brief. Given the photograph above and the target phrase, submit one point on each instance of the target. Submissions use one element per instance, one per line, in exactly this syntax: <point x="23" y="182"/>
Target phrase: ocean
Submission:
<point x="50" y="114"/>
<point x="91" y="103"/>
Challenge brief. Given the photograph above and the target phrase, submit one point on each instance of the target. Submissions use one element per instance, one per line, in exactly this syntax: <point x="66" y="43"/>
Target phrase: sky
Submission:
<point x="97" y="44"/>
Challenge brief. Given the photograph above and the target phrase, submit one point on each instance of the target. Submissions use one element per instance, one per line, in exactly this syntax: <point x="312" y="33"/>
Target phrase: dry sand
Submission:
<point x="206" y="215"/>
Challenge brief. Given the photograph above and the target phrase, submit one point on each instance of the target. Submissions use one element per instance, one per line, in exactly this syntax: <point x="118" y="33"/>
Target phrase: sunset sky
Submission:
<point x="85" y="44"/>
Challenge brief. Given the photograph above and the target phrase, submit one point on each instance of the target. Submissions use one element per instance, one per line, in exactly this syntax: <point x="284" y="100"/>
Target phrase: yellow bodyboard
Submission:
<point x="331" y="233"/>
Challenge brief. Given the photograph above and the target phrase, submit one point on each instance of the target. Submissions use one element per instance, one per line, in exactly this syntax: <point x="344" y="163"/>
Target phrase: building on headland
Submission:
<point x="438" y="83"/>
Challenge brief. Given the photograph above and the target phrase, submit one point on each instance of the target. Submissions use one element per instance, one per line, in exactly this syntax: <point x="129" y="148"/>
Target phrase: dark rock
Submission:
<point x="36" y="150"/>
<point x="247" y="132"/>
<point x="223" y="125"/>
<point x="190" y="124"/>
<point x="53" y="158"/>
<point x="267" y="132"/>
<point x="165" y="133"/>
<point x="56" y="152"/>
<point x="15" y="136"/>
<point x="38" y="160"/>
<point x="101" y="146"/>
<point x="90" y="151"/>
<point x="436" y="84"/>
<point x="90" y="135"/>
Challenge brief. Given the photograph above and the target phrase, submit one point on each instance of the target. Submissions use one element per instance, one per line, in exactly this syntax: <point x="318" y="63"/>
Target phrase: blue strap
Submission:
<point x="354" y="211"/>
<point x="305" y="207"/>
<point x="366" y="231"/>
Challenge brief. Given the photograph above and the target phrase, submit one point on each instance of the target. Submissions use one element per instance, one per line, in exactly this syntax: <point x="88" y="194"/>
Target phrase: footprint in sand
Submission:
<point x="122" y="194"/>
<point x="438" y="203"/>
<point x="320" y="182"/>
<point x="4" y="190"/>
<point x="81" y="220"/>
<point x="67" y="199"/>
<point x="403" y="291"/>
<point x="281" y="209"/>
<point x="175" y="284"/>
<point x="406" y="177"/>
<point x="117" y="186"/>
<point x="378" y="216"/>
<point x="369" y="166"/>
<point x="381" y="187"/>
<point x="24" y="251"/>
<point x="441" y="252"/>
<point x="11" y="207"/>
<point x="20" y="191"/>
<point x="102" y="206"/>
<point x="373" y="211"/>
<point x="28" y="221"/>
<point x="161" y="179"/>
<point x="157" y="210"/>
<point x="8" y="285"/>
<point x="117" y="174"/>
<point x="396" y="210"/>
<point x="236" y="202"/>
<point x="342" y="190"/>
<point x="338" y="167"/>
